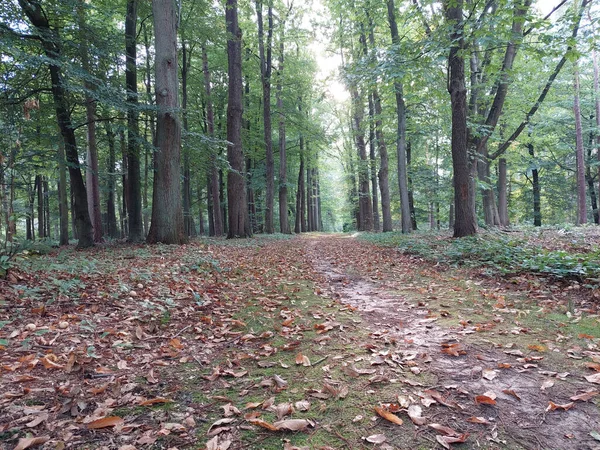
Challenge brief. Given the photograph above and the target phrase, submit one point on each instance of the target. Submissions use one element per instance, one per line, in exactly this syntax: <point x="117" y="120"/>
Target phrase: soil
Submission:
<point x="523" y="421"/>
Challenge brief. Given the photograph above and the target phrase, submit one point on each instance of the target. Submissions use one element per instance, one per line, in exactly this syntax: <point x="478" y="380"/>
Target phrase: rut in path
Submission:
<point x="389" y="304"/>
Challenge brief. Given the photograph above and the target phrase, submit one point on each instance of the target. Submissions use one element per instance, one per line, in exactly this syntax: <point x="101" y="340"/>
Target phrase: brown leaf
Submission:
<point x="444" y="429"/>
<point x="105" y="422"/>
<point x="414" y="412"/>
<point x="294" y="424"/>
<point x="376" y="439"/>
<point x="478" y="420"/>
<point x="302" y="359"/>
<point x="154" y="401"/>
<point x="30" y="442"/>
<point x="537" y="348"/>
<point x="553" y="406"/>
<point x="484" y="399"/>
<point x="42" y="417"/>
<point x="263" y="424"/>
<point x="585" y="396"/>
<point x="302" y="405"/>
<point x="282" y="410"/>
<point x="511" y="392"/>
<point x="593" y="365"/>
<point x="445" y="441"/>
<point x="50" y="362"/>
<point x="388" y="416"/>
<point x="595" y="378"/>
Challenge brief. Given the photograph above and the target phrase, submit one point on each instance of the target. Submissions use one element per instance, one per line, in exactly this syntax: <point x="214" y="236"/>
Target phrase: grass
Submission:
<point x="500" y="253"/>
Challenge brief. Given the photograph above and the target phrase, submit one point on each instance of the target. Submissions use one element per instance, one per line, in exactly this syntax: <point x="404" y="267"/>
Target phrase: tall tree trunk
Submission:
<point x="52" y="47"/>
<point x="214" y="171"/>
<point x="318" y="205"/>
<point x="91" y="174"/>
<point x="209" y="207"/>
<point x="309" y="198"/>
<point x="284" y="225"/>
<point x="465" y="223"/>
<point x="502" y="193"/>
<point x="111" y="214"/>
<point x="46" y="208"/>
<point x="201" y="228"/>
<point x="373" y="165"/>
<point x="579" y="156"/>
<point x="597" y="109"/>
<point x="265" y="74"/>
<point x="39" y="181"/>
<point x="186" y="61"/>
<point x="237" y="205"/>
<point x="124" y="202"/>
<point x="409" y="183"/>
<point x="300" y="224"/>
<point x="167" y="215"/>
<point x="134" y="203"/>
<point x="364" y="194"/>
<point x="63" y="202"/>
<point x="30" y="233"/>
<point x="150" y="115"/>
<point x="401" y="139"/>
<point x="535" y="182"/>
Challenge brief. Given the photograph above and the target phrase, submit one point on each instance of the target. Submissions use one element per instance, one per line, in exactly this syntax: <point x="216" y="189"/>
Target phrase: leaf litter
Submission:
<point x="230" y="345"/>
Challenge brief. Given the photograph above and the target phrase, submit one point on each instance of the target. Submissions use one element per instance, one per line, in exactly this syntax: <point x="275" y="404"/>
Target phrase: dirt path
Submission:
<point x="400" y="309"/>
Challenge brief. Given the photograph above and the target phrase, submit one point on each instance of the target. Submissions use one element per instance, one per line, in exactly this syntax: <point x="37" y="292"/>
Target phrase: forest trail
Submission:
<point x="401" y="299"/>
<point x="307" y="342"/>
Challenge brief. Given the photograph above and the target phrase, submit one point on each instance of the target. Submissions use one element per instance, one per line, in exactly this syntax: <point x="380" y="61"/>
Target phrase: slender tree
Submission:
<point x="464" y="222"/>
<point x="237" y="205"/>
<point x="134" y="202"/>
<point x="51" y="45"/>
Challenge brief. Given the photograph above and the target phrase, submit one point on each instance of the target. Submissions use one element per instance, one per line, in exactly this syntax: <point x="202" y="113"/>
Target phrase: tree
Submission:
<point x="51" y="45"/>
<point x="237" y="206"/>
<point x="464" y="222"/>
<point x="134" y="202"/>
<point x="167" y="215"/>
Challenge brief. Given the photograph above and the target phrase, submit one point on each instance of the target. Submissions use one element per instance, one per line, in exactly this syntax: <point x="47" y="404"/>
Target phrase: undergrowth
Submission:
<point x="499" y="253"/>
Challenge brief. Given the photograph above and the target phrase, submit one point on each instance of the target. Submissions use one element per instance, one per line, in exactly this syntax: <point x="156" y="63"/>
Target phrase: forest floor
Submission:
<point x="315" y="341"/>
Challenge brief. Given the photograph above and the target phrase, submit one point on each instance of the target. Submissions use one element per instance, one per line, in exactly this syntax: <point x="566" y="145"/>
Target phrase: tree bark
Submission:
<point x="111" y="215"/>
<point x="579" y="156"/>
<point x="401" y="138"/>
<point x="134" y="210"/>
<point x="411" y="197"/>
<point x="373" y="165"/>
<point x="465" y="222"/>
<point x="186" y="62"/>
<point x="535" y="183"/>
<point x="284" y="225"/>
<point x="236" y="184"/>
<point x="214" y="171"/>
<point x="265" y="75"/>
<point x="597" y="109"/>
<point x="52" y="47"/>
<point x="383" y="174"/>
<point x="502" y="193"/>
<point x="364" y="195"/>
<point x="91" y="174"/>
<point x="63" y="201"/>
<point x="167" y="214"/>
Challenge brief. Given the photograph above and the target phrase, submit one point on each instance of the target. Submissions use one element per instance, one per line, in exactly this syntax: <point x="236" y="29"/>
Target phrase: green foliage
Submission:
<point x="497" y="253"/>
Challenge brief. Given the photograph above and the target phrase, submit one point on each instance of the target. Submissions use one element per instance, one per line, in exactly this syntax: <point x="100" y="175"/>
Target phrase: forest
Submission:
<point x="284" y="224"/>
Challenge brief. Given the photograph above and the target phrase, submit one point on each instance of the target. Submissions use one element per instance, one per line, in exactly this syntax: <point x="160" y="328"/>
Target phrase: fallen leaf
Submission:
<point x="215" y="444"/>
<point x="376" y="439"/>
<point x="585" y="396"/>
<point x="511" y="392"/>
<point x="489" y="374"/>
<point x="37" y="420"/>
<point x="445" y="441"/>
<point x="154" y="401"/>
<point x="105" y="422"/>
<point x="537" y="348"/>
<point x="595" y="378"/>
<point x="553" y="406"/>
<point x="388" y="416"/>
<point x="414" y="412"/>
<point x="30" y="442"/>
<point x="294" y="424"/>
<point x="263" y="424"/>
<point x="444" y="429"/>
<point x="302" y="360"/>
<point x="478" y="420"/>
<point x="547" y="384"/>
<point x="302" y="405"/>
<point x="485" y="400"/>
